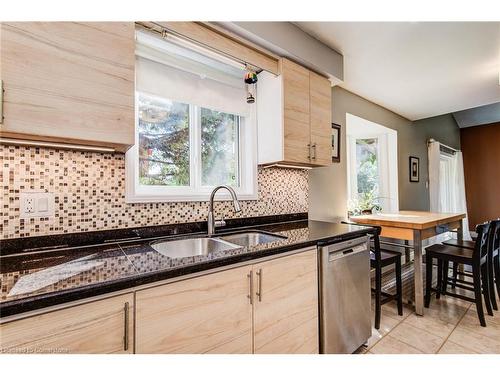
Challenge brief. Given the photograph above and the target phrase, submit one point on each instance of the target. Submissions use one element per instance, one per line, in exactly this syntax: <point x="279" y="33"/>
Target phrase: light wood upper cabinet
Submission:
<point x="321" y="119"/>
<point x="296" y="112"/>
<point x="70" y="82"/>
<point x="294" y="117"/>
<point x="207" y="314"/>
<point x="286" y="314"/>
<point x="105" y="326"/>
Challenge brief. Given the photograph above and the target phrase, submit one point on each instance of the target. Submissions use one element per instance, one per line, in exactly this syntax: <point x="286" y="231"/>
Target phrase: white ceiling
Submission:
<point x="417" y="69"/>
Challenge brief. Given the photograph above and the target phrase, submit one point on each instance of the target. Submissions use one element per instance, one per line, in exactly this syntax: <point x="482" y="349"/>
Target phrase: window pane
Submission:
<point x="367" y="168"/>
<point x="163" y="142"/>
<point x="219" y="148"/>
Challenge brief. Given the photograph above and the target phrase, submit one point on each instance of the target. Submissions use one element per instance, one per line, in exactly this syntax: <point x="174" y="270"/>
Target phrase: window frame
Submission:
<point x="247" y="159"/>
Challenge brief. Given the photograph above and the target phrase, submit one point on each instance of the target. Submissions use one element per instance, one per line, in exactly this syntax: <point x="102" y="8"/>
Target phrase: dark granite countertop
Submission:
<point x="35" y="278"/>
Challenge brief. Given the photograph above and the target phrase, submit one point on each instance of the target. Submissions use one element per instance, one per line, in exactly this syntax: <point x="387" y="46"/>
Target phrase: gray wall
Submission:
<point x="328" y="186"/>
<point x="288" y="40"/>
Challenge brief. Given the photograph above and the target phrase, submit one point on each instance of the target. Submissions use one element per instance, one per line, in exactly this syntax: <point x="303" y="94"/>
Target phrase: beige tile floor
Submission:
<point x="449" y="326"/>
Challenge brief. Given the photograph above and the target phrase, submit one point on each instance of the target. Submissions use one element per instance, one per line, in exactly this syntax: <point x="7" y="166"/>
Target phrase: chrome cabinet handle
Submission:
<point x="126" y="322"/>
<point x="250" y="287"/>
<point x="309" y="156"/>
<point x="314" y="153"/>
<point x="259" y="287"/>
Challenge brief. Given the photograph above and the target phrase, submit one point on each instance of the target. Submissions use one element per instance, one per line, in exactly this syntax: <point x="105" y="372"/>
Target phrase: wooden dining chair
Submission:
<point x="493" y="267"/>
<point x="476" y="258"/>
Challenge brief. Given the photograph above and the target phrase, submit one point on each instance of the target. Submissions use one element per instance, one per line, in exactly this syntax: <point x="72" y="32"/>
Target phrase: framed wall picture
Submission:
<point x="336" y="143"/>
<point x="414" y="169"/>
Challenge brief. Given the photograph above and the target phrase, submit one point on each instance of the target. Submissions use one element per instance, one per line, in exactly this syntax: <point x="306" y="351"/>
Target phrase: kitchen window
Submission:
<point x="194" y="128"/>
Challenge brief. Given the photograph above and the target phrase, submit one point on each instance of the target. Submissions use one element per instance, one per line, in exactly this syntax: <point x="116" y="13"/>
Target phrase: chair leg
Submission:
<point x="428" y="279"/>
<point x="478" y="295"/>
<point x="455" y="275"/>
<point x="399" y="286"/>
<point x="496" y="269"/>
<point x="486" y="288"/>
<point x="439" y="285"/>
<point x="407" y="253"/>
<point x="378" y="296"/>
<point x="491" y="284"/>
<point x="444" y="285"/>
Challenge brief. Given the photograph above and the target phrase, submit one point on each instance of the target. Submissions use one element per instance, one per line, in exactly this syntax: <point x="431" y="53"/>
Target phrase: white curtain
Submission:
<point x="434" y="166"/>
<point x="460" y="204"/>
<point x="447" y="185"/>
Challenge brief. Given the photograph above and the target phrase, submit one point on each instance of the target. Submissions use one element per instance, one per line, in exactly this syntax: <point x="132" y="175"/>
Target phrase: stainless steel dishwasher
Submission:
<point x="345" y="295"/>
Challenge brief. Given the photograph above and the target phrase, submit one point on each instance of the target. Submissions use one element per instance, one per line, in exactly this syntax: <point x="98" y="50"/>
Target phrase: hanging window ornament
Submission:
<point x="250" y="81"/>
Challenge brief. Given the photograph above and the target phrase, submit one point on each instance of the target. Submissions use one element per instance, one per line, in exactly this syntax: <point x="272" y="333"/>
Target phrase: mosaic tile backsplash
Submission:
<point x="89" y="190"/>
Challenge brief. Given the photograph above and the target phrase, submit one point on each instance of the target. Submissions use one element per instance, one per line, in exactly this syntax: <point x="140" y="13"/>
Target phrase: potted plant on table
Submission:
<point x="365" y="204"/>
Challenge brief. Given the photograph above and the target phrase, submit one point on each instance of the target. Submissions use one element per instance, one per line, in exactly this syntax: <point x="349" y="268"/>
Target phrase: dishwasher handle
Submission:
<point x="346" y="252"/>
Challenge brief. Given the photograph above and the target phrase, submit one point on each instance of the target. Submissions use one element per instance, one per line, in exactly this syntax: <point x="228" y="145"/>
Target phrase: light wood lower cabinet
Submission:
<point x="206" y="314"/>
<point x="214" y="313"/>
<point x="286" y="308"/>
<point x="104" y="326"/>
<point x="267" y="307"/>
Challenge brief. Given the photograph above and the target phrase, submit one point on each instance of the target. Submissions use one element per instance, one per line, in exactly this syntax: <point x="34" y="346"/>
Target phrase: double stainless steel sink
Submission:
<point x="203" y="246"/>
<point x="247" y="239"/>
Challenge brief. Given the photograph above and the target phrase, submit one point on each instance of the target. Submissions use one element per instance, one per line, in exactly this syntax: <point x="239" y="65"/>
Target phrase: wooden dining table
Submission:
<point x="414" y="226"/>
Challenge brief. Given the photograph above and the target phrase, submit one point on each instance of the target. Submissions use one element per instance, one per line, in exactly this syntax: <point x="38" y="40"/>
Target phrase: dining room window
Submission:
<point x="372" y="163"/>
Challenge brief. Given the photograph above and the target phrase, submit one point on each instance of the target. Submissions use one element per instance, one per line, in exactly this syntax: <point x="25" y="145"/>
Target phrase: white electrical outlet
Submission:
<point x="29" y="205"/>
<point x="36" y="204"/>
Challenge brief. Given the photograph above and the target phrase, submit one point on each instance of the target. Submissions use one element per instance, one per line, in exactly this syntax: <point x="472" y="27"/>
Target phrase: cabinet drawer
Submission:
<point x="104" y="326"/>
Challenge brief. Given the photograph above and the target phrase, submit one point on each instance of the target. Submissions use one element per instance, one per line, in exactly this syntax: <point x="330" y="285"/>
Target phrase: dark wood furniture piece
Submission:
<point x="415" y="226"/>
<point x="493" y="268"/>
<point x="379" y="259"/>
<point x="480" y="151"/>
<point x="496" y="257"/>
<point x="477" y="259"/>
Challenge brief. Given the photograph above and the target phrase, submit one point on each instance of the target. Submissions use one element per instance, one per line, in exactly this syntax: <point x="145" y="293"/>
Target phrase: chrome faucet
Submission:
<point x="212" y="223"/>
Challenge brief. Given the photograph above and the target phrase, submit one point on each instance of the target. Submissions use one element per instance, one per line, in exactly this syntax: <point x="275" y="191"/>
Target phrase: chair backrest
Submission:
<point x="482" y="241"/>
<point x="494" y="235"/>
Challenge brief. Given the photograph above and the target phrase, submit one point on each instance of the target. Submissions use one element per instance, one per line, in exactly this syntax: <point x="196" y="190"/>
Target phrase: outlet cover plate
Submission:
<point x="36" y="204"/>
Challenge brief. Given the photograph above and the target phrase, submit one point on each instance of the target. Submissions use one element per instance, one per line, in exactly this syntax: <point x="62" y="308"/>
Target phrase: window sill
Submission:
<point x="220" y="196"/>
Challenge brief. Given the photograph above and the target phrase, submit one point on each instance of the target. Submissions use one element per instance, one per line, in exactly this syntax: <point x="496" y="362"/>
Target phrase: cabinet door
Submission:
<point x="69" y="82"/>
<point x="296" y="112"/>
<point x="286" y="314"/>
<point x="207" y="314"/>
<point x="104" y="326"/>
<point x="321" y="119"/>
